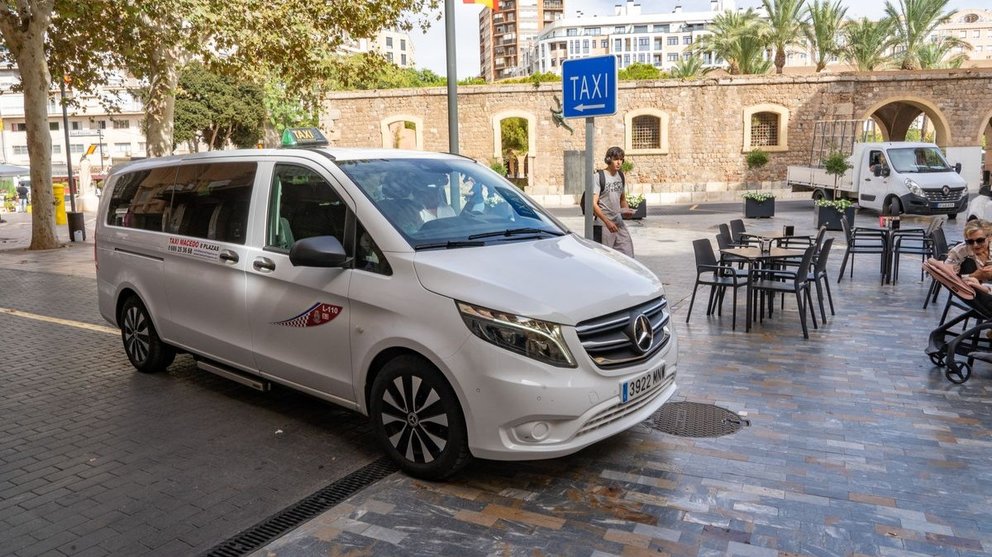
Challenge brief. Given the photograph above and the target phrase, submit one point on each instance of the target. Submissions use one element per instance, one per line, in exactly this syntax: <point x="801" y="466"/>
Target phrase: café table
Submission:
<point x="755" y="257"/>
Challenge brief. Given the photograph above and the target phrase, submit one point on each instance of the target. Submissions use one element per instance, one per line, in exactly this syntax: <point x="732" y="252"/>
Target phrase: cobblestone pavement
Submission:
<point x="857" y="445"/>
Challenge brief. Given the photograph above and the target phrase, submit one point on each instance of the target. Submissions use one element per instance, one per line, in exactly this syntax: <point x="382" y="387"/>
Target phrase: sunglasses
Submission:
<point x="978" y="241"/>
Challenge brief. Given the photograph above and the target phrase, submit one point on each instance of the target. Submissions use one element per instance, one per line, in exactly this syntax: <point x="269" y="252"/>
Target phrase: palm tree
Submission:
<point x="912" y="22"/>
<point x="866" y="43"/>
<point x="785" y="26"/>
<point x="689" y="68"/>
<point x="739" y="38"/>
<point x="932" y="55"/>
<point x="823" y="24"/>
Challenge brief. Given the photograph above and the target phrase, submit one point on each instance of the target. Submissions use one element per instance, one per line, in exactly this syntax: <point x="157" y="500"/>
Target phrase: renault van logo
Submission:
<point x="641" y="333"/>
<point x="947" y="190"/>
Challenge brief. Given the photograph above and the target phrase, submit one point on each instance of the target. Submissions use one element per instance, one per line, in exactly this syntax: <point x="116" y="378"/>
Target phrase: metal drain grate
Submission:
<point x="695" y="419"/>
<point x="285" y="520"/>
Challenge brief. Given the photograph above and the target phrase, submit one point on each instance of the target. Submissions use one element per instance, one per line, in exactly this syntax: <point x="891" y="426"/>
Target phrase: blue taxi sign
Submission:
<point x="589" y="87"/>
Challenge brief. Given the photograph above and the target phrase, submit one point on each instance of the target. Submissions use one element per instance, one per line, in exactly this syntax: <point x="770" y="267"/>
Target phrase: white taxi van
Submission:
<point x="420" y="289"/>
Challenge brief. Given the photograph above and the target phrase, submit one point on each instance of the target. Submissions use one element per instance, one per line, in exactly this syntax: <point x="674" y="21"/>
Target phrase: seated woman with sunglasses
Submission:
<point x="971" y="258"/>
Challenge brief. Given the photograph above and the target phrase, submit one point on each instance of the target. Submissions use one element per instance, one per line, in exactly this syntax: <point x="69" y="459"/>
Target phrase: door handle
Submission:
<point x="228" y="255"/>
<point x="867" y="179"/>
<point x="263" y="264"/>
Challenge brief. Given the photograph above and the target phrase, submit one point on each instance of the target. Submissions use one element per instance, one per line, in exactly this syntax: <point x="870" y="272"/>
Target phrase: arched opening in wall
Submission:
<point x="515" y="143"/>
<point x="402" y="131"/>
<point x="909" y="119"/>
<point x="986" y="142"/>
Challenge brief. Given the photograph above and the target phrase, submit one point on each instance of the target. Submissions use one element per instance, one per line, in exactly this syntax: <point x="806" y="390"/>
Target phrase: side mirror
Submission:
<point x="957" y="167"/>
<point x="886" y="171"/>
<point x="876" y="170"/>
<point x="317" y="251"/>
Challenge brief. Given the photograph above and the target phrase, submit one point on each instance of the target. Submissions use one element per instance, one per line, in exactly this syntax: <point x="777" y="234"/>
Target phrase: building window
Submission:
<point x="687" y="39"/>
<point x="686" y="55"/>
<point x="20" y="149"/>
<point x="646" y="131"/>
<point x="389" y="56"/>
<point x="572" y="32"/>
<point x="53" y="126"/>
<point x="593" y="31"/>
<point x="403" y="59"/>
<point x="641" y="58"/>
<point x="660" y="28"/>
<point x="19" y="127"/>
<point x="673" y="41"/>
<point x="75" y="126"/>
<point x="626" y="60"/>
<point x="640" y="28"/>
<point x="56" y="149"/>
<point x="673" y="57"/>
<point x="657" y="43"/>
<point x="121" y="124"/>
<point x="76" y="148"/>
<point x="122" y="148"/>
<point x="766" y="126"/>
<point x="617" y="45"/>
<point x="605" y="44"/>
<point x="643" y="43"/>
<point x="402" y="44"/>
<point x="619" y="29"/>
<point x="389" y="42"/>
<point x="101" y="124"/>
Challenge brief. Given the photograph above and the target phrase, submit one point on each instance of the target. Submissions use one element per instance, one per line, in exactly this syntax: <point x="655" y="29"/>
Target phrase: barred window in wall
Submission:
<point x="645" y="132"/>
<point x="764" y="129"/>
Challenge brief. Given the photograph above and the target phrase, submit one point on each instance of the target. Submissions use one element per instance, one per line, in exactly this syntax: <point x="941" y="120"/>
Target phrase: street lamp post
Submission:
<point x="68" y="149"/>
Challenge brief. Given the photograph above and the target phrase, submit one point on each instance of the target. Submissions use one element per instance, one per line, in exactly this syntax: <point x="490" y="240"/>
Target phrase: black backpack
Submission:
<point x="602" y="186"/>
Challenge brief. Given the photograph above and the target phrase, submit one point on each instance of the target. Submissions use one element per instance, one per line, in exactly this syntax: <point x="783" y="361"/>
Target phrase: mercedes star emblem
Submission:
<point x="641" y="333"/>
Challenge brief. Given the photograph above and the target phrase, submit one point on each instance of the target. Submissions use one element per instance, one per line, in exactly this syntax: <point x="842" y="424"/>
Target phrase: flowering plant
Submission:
<point x="840" y="204"/>
<point x="758" y="196"/>
<point x="634" y="200"/>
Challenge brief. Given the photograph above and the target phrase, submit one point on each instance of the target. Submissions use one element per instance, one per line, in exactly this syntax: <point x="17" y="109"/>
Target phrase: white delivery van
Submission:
<point x="421" y="289"/>
<point x="892" y="178"/>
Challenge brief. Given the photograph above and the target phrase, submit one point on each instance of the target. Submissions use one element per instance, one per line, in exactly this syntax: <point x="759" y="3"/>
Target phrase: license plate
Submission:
<point x="629" y="390"/>
<point x="945" y="205"/>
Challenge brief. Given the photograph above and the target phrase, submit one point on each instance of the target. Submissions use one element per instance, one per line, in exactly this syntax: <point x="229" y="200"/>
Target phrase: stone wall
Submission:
<point x="705" y="160"/>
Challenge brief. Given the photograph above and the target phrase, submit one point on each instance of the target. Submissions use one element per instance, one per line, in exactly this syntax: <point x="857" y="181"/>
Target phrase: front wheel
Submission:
<point x="418" y="420"/>
<point x="145" y="350"/>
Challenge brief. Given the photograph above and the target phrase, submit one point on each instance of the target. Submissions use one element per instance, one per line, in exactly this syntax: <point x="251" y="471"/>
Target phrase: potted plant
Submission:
<point x="758" y="204"/>
<point x="829" y="212"/>
<point x="639" y="206"/>
<point x="835" y="164"/>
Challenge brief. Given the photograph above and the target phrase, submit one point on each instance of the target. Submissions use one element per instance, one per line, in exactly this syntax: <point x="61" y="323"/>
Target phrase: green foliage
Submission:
<point x="535" y="79"/>
<point x="639" y="71"/>
<point x="835" y="164"/>
<point x="513" y="134"/>
<point x="283" y="111"/>
<point x="369" y="70"/>
<point x="740" y="38"/>
<point x="756" y="158"/>
<point x="471" y="81"/>
<point x="784" y="27"/>
<point x="913" y="21"/>
<point x="497" y="166"/>
<point x="867" y="43"/>
<point x="689" y="68"/>
<point x="758" y="196"/>
<point x="627" y="165"/>
<point x="840" y="204"/>
<point x="824" y="20"/>
<point x="217" y="110"/>
<point x="940" y="53"/>
<point x="634" y="200"/>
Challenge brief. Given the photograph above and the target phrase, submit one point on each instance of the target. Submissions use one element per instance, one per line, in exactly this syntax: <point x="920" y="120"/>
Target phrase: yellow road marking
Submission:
<point x="56" y="320"/>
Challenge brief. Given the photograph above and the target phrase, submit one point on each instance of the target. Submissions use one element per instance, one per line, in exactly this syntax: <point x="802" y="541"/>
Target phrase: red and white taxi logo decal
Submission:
<point x="318" y="314"/>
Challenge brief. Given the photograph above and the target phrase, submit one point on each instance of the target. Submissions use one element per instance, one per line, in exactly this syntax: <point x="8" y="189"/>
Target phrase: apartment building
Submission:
<point x="393" y="44"/>
<point x="973" y="26"/>
<point x="505" y="34"/>
<point x="116" y="136"/>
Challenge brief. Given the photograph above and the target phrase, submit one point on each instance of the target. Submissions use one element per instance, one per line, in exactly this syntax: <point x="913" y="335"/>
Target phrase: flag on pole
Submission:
<point x="491" y="4"/>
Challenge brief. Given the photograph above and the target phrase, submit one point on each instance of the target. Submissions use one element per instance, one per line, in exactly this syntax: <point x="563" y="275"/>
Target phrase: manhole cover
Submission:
<point x="695" y="419"/>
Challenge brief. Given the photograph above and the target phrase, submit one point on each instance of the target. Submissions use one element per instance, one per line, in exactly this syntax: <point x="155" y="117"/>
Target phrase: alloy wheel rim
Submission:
<point x="414" y="419"/>
<point x="137" y="340"/>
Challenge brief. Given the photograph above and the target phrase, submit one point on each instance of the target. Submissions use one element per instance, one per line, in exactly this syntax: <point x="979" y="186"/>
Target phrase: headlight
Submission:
<point x="914" y="188"/>
<point x="533" y="338"/>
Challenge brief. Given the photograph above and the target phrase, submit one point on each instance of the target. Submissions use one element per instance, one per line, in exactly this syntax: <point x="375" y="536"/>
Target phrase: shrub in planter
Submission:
<point x="758" y="204"/>
<point x="639" y="206"/>
<point x="829" y="212"/>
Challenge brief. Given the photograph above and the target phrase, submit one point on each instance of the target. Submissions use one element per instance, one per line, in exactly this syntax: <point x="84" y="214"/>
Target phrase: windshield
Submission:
<point x="918" y="159"/>
<point x="444" y="203"/>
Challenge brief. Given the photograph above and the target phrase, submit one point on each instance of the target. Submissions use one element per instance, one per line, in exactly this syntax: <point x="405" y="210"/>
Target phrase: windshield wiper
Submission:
<point x="449" y="244"/>
<point x="515" y="231"/>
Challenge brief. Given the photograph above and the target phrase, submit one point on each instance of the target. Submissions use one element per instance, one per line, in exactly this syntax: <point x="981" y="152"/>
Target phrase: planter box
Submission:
<point x="640" y="211"/>
<point x="754" y="209"/>
<point x="830" y="217"/>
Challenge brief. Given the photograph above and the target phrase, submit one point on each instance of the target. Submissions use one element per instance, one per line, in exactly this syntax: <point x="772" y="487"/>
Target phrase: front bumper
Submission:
<point x="916" y="205"/>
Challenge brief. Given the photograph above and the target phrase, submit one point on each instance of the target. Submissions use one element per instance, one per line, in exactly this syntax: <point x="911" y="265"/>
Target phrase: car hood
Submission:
<point x="564" y="280"/>
<point x="937" y="180"/>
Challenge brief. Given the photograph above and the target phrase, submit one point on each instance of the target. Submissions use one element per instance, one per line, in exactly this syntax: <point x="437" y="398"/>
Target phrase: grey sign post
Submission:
<point x="589" y="89"/>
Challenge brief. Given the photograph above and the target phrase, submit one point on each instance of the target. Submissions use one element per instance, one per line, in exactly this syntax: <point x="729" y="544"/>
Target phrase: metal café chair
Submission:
<point x="819" y="277"/>
<point x="917" y="241"/>
<point x="940" y="249"/>
<point x="781" y="282"/>
<point x="862" y="240"/>
<point x="717" y="277"/>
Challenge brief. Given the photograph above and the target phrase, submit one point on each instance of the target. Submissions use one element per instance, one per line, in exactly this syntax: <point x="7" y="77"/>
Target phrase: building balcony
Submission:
<point x="554" y="5"/>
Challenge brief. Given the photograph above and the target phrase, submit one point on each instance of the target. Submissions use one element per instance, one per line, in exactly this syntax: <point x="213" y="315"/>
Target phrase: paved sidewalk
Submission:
<point x="73" y="258"/>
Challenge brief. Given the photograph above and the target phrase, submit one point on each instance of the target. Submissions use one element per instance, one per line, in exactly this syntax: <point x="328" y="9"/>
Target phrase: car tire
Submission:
<point x="144" y="348"/>
<point x="418" y="420"/>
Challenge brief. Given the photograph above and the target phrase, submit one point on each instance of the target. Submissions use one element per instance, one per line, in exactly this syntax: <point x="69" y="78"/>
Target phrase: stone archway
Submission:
<point x="525" y="166"/>
<point x="396" y="132"/>
<point x="985" y="138"/>
<point x="894" y="117"/>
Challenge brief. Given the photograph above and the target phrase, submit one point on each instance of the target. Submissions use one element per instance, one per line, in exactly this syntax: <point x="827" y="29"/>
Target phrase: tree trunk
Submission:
<point x="779" y="59"/>
<point x="24" y="35"/>
<point x="160" y="105"/>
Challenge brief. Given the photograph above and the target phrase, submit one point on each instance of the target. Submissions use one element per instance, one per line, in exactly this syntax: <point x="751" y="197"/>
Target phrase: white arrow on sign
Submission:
<point x="584" y="107"/>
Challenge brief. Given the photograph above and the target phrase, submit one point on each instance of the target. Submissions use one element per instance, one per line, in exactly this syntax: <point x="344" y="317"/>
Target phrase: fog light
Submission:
<point x="533" y="431"/>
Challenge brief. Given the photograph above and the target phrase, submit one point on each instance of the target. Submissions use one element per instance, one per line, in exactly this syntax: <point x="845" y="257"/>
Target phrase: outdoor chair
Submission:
<point x="820" y="279"/>
<point x="738" y="233"/>
<point x="717" y="277"/>
<point x="861" y="240"/>
<point x="771" y="282"/>
<point x="723" y="242"/>
<point x="916" y="241"/>
<point x="725" y="230"/>
<point x="940" y="249"/>
<point x="946" y="343"/>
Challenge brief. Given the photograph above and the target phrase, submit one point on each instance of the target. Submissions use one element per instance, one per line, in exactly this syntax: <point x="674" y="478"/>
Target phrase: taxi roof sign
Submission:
<point x="303" y="137"/>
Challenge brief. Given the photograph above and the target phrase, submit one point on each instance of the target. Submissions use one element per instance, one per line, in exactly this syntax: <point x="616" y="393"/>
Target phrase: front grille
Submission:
<point x="952" y="194"/>
<point x="607" y="339"/>
<point x="620" y="410"/>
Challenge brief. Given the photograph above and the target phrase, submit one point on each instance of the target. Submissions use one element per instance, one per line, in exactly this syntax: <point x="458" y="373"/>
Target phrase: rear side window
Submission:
<point x="208" y="201"/>
<point x="211" y="201"/>
<point x="140" y="199"/>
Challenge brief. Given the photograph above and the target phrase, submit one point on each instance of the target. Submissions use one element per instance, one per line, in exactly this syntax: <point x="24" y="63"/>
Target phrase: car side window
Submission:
<point x="302" y="204"/>
<point x="140" y="199"/>
<point x="211" y="201"/>
<point x="368" y="256"/>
